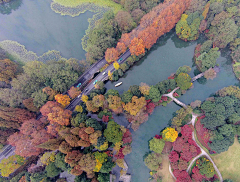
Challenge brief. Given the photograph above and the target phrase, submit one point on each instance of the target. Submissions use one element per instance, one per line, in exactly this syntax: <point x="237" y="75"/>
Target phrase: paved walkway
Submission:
<point x="194" y="116"/>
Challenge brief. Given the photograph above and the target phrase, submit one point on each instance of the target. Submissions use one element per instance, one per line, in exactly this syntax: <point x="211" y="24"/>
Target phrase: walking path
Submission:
<point x="194" y="116"/>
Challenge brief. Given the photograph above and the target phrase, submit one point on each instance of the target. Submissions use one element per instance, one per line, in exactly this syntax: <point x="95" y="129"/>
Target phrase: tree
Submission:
<point x="31" y="126"/>
<point x="111" y="92"/>
<point x="169" y="134"/>
<point x="115" y="103"/>
<point x="51" y="144"/>
<point x="153" y="161"/>
<point x="156" y="145"/>
<point x="226" y="130"/>
<point x="64" y="100"/>
<point x="60" y="116"/>
<point x="134" y="89"/>
<point x="98" y="101"/>
<point x="125" y="21"/>
<point x="182" y="164"/>
<point x="137" y="14"/>
<point x="149" y="36"/>
<point x="107" y="166"/>
<point x="154" y="94"/>
<point x="144" y="88"/>
<point x="184" y="81"/>
<point x="52" y="170"/>
<point x="74" y="92"/>
<point x="111" y="55"/>
<point x="15" y="114"/>
<point x="221" y="145"/>
<point x="8" y="70"/>
<point x="94" y="124"/>
<point x="121" y="48"/>
<point x="50" y="92"/>
<point x="39" y="98"/>
<point x="84" y="98"/>
<point x="125" y="39"/>
<point x="137" y="47"/>
<point x="28" y="103"/>
<point x="183" y="69"/>
<point x="10" y="164"/>
<point x="126" y="96"/>
<point x="116" y="65"/>
<point x="88" y="163"/>
<point x="103" y="177"/>
<point x="113" y="132"/>
<point x="135" y="106"/>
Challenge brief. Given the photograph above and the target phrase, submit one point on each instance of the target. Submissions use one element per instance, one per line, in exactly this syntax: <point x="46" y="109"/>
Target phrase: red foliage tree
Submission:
<point x="186" y="131"/>
<point x="127" y="137"/>
<point x="119" y="155"/>
<point x="30" y="126"/>
<point x="73" y="92"/>
<point x="173" y="156"/>
<point x="196" y="176"/>
<point x="150" y="107"/>
<point x="182" y="176"/>
<point x="105" y="118"/>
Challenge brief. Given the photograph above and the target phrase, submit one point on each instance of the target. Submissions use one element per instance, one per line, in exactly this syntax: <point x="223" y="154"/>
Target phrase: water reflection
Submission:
<point x="7" y="8"/>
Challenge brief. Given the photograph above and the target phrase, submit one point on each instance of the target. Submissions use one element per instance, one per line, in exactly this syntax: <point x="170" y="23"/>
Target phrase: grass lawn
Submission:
<point x="164" y="172"/>
<point x="228" y="162"/>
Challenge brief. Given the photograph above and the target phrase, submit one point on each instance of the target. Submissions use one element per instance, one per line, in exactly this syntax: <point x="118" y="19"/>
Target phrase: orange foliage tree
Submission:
<point x="28" y="103"/>
<point x="121" y="48"/>
<point x="62" y="99"/>
<point x="111" y="55"/>
<point x="125" y="39"/>
<point x="74" y="92"/>
<point x="149" y="36"/>
<point x="137" y="47"/>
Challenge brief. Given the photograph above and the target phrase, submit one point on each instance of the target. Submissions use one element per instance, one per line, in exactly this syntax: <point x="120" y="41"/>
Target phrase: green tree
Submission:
<point x="226" y="129"/>
<point x="183" y="69"/>
<point x="184" y="81"/>
<point x="60" y="163"/>
<point x="156" y="145"/>
<point x="94" y="124"/>
<point x="113" y="132"/>
<point x="79" y="118"/>
<point x="111" y="92"/>
<point x="107" y="166"/>
<point x="126" y="96"/>
<point x="52" y="170"/>
<point x="103" y="177"/>
<point x="134" y="89"/>
<point x="153" y="161"/>
<point x="154" y="94"/>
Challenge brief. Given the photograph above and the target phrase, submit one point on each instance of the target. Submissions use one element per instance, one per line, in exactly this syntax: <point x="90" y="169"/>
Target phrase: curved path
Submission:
<point x="203" y="153"/>
<point x="194" y="116"/>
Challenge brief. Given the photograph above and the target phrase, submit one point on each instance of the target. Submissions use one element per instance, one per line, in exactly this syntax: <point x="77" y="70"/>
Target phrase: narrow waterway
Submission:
<point x="165" y="58"/>
<point x="34" y="25"/>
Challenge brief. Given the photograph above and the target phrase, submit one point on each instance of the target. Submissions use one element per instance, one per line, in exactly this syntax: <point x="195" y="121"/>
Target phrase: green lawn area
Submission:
<point x="228" y="162"/>
<point x="74" y="3"/>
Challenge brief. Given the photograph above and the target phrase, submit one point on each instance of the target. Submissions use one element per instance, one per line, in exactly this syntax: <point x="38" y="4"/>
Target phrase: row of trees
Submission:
<point x="110" y="28"/>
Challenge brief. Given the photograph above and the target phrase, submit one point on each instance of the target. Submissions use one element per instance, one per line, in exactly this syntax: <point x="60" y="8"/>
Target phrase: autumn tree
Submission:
<point x="121" y="48"/>
<point x="115" y="103"/>
<point x="28" y="103"/>
<point x="60" y="116"/>
<point x="135" y="105"/>
<point x="8" y="70"/>
<point x="74" y="92"/>
<point x="84" y="98"/>
<point x="111" y="55"/>
<point x="91" y="107"/>
<point x="31" y="126"/>
<point x="149" y="36"/>
<point x="125" y="39"/>
<point x="144" y="88"/>
<point x="15" y="114"/>
<point x="184" y="81"/>
<point x="169" y="134"/>
<point x="137" y="47"/>
<point x="116" y="65"/>
<point x="64" y="100"/>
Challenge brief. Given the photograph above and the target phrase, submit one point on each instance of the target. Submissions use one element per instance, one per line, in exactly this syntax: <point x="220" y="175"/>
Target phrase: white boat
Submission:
<point x="118" y="84"/>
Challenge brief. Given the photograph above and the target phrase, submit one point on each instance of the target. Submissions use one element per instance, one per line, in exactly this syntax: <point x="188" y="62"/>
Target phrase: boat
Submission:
<point x="118" y="84"/>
